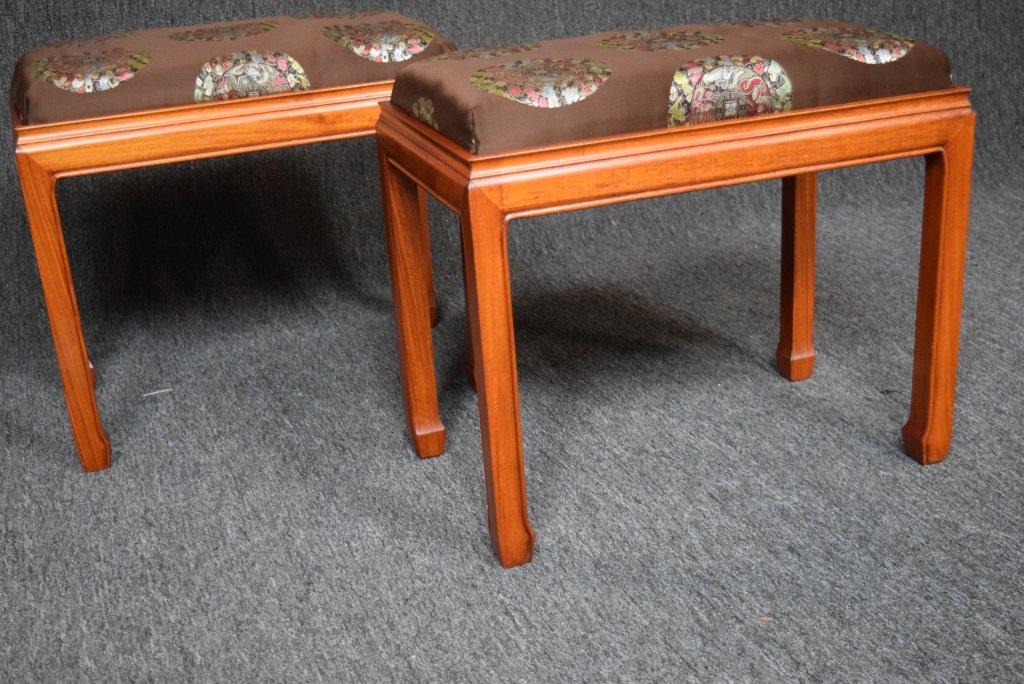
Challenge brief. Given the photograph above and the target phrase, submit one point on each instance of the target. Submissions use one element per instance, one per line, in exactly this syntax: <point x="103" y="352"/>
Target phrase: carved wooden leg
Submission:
<point x="425" y="246"/>
<point x="794" y="357"/>
<point x="39" y="188"/>
<point x="489" y="308"/>
<point x="467" y="363"/>
<point x="927" y="432"/>
<point x="409" y="260"/>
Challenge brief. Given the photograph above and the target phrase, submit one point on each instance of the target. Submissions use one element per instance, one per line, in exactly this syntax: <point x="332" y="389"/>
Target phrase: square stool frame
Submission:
<point x="46" y="153"/>
<point x="488" y="191"/>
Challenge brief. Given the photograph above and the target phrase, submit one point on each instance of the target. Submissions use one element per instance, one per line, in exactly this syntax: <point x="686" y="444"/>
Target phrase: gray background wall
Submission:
<point x="696" y="515"/>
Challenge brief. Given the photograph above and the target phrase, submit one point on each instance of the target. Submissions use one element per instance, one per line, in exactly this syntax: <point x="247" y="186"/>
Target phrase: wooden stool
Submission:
<point x="534" y="129"/>
<point x="141" y="98"/>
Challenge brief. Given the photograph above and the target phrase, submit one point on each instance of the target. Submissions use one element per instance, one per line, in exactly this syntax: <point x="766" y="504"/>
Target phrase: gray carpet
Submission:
<point x="697" y="516"/>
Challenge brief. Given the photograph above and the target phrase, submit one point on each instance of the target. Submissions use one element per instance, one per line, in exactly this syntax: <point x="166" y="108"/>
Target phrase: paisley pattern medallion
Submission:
<point x="423" y="109"/>
<point x="249" y="74"/>
<point x="667" y="39"/>
<point x="716" y="88"/>
<point x="489" y="52"/>
<point x="382" y="41"/>
<point x="226" y="32"/>
<point x="854" y="42"/>
<point x="545" y="83"/>
<point x="91" y="71"/>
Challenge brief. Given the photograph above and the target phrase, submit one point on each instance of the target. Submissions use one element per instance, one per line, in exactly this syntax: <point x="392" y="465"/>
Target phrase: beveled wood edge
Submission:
<point x="200" y="112"/>
<point x="594" y="149"/>
<point x="423" y="153"/>
<point x="41" y="141"/>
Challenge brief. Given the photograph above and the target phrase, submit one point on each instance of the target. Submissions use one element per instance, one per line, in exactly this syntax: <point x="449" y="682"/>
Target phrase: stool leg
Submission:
<point x="467" y="363"/>
<point x="39" y="188"/>
<point x="927" y="433"/>
<point x="408" y="241"/>
<point x="794" y="357"/>
<point x="424" y="245"/>
<point x="489" y="308"/>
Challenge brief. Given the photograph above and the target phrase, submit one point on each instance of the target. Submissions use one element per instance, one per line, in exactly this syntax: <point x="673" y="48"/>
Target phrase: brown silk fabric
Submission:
<point x="635" y="97"/>
<point x="169" y="76"/>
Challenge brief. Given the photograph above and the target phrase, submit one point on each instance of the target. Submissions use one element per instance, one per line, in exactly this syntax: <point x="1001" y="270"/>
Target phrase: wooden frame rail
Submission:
<point x="48" y="152"/>
<point x="487" y="191"/>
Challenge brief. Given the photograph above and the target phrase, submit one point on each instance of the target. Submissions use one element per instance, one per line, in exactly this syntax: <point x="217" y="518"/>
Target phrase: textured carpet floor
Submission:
<point x="697" y="516"/>
<point x="695" y="513"/>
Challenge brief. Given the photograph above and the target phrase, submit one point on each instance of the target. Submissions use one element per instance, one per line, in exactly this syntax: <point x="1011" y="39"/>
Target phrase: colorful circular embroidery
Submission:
<point x="716" y="88"/>
<point x="226" y="32"/>
<point x="90" y="71"/>
<point x="249" y="74"/>
<point x="489" y="52"/>
<point x="668" y="39"/>
<point x="861" y="44"/>
<point x="546" y="83"/>
<point x="423" y="109"/>
<point x="382" y="41"/>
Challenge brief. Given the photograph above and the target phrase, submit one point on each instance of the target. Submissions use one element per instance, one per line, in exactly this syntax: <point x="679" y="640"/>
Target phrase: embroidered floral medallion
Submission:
<point x="382" y="41"/>
<point x="861" y="44"/>
<point x="546" y="83"/>
<point x="226" y="32"/>
<point x="92" y="71"/>
<point x="716" y="88"/>
<point x="493" y="51"/>
<point x="668" y="39"/>
<point x="249" y="74"/>
<point x="423" y="109"/>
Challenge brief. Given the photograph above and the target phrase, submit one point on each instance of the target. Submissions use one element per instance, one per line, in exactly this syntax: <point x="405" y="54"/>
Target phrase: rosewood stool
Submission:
<point x="540" y="128"/>
<point x="141" y="98"/>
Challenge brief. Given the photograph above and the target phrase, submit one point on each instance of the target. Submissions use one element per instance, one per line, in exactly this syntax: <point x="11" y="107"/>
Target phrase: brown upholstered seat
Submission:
<point x="518" y="96"/>
<point x="136" y="70"/>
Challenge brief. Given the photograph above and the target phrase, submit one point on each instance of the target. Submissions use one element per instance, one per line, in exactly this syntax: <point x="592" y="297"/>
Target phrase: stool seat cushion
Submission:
<point x="518" y="96"/>
<point x="129" y="71"/>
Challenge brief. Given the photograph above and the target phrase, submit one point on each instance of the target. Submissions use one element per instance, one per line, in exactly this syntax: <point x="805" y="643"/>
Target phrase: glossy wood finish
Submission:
<point x="794" y="356"/>
<point x="48" y="152"/>
<point x="468" y="363"/>
<point x="927" y="433"/>
<point x="492" y="339"/>
<point x="488" y="191"/>
<point x="77" y="373"/>
<point x="409" y="264"/>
